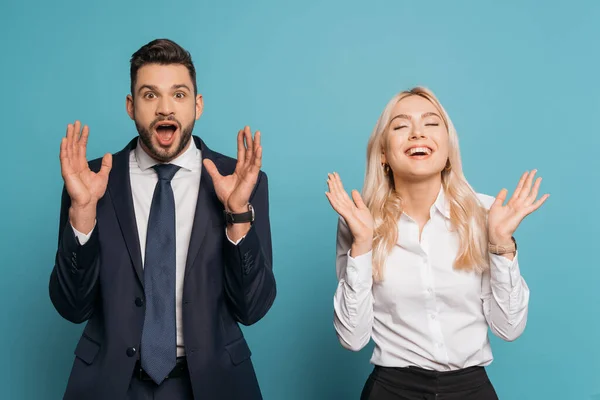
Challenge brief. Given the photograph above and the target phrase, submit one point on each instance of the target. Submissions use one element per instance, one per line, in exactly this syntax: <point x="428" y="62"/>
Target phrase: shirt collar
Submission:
<point x="441" y="204"/>
<point x="186" y="160"/>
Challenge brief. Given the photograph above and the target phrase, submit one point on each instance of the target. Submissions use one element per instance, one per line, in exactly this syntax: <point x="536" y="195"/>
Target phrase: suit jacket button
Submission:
<point x="131" y="351"/>
<point x="139" y="301"/>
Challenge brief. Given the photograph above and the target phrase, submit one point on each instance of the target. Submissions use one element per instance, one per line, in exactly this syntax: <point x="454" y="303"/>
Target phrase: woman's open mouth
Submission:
<point x="419" y="153"/>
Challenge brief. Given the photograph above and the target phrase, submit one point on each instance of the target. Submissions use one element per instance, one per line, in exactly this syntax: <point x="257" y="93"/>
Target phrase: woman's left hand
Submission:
<point x="503" y="220"/>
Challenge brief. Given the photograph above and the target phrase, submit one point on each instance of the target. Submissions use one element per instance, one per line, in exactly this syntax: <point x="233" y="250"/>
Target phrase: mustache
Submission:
<point x="162" y="119"/>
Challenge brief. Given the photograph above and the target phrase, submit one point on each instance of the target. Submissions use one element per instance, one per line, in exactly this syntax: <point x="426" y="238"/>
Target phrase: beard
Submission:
<point x="158" y="153"/>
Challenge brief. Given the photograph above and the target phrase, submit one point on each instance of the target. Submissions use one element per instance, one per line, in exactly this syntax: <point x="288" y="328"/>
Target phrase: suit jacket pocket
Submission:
<point x="238" y="351"/>
<point x="87" y="349"/>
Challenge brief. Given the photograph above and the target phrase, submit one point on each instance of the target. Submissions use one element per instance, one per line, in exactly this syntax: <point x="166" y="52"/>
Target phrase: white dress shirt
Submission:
<point x="424" y="313"/>
<point x="185" y="184"/>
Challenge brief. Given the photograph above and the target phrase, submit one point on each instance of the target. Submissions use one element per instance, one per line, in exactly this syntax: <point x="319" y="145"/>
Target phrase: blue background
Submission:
<point x="520" y="81"/>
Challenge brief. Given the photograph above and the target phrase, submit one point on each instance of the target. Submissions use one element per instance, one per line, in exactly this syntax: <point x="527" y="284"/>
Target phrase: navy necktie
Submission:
<point x="159" y="336"/>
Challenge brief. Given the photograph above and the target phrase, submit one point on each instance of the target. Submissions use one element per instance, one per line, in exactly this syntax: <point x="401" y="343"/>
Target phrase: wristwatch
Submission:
<point x="248" y="216"/>
<point x="503" y="249"/>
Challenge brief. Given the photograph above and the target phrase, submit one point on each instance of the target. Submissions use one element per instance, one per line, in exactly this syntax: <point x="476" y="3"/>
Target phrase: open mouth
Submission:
<point x="419" y="152"/>
<point x="165" y="132"/>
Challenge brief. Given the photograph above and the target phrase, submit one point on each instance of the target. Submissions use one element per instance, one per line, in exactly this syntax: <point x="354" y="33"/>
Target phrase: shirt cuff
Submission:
<point x="359" y="271"/>
<point x="231" y="241"/>
<point x="82" y="238"/>
<point x="505" y="271"/>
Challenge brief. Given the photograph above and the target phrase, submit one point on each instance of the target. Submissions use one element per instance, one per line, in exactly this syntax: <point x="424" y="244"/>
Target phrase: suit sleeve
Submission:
<point x="74" y="278"/>
<point x="249" y="280"/>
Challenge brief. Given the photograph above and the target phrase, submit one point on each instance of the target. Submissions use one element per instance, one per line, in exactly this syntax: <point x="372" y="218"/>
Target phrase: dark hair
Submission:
<point x="164" y="52"/>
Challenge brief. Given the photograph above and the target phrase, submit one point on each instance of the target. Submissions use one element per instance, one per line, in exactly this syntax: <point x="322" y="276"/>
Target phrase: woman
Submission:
<point x="425" y="265"/>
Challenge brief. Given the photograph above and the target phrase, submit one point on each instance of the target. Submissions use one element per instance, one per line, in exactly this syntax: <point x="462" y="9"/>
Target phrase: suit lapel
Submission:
<point x="119" y="186"/>
<point x="206" y="205"/>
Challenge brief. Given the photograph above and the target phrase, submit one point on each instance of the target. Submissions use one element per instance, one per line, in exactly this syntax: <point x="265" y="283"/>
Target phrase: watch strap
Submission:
<point x="503" y="249"/>
<point x="240" y="218"/>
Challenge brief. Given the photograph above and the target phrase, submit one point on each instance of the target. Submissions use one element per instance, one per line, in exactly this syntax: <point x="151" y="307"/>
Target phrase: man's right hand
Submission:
<point x="84" y="186"/>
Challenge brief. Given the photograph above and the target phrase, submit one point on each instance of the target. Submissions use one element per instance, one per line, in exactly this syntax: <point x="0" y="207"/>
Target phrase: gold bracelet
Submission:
<point x="503" y="249"/>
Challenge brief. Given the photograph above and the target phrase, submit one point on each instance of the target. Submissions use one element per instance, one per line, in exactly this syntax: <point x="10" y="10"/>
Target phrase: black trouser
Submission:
<point x="414" y="383"/>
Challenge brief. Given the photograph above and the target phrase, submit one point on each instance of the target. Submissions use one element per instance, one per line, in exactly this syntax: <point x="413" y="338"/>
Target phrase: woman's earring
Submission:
<point x="448" y="166"/>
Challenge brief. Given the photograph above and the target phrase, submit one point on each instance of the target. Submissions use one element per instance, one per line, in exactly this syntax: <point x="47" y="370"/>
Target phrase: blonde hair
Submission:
<point x="467" y="216"/>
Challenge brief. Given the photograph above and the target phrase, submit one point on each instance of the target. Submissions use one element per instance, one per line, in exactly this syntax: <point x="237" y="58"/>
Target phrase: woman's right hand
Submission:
<point x="355" y="213"/>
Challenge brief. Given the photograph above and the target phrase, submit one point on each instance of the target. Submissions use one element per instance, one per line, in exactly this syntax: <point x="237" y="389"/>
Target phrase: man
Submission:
<point x="163" y="248"/>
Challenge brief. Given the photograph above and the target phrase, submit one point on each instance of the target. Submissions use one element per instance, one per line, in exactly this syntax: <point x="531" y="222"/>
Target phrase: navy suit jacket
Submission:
<point x="102" y="283"/>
